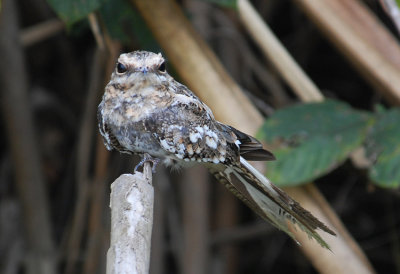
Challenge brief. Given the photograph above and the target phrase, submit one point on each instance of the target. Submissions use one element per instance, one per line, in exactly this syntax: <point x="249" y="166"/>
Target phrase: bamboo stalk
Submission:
<point x="359" y="35"/>
<point x="291" y="72"/>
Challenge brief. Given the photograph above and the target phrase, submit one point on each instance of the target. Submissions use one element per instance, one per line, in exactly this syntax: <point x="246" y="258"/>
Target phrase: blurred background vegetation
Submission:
<point x="55" y="174"/>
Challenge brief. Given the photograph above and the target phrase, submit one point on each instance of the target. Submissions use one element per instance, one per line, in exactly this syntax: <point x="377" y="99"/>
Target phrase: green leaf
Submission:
<point x="125" y="24"/>
<point x="224" y="3"/>
<point x="383" y="143"/>
<point x="312" y="139"/>
<point x="71" y="11"/>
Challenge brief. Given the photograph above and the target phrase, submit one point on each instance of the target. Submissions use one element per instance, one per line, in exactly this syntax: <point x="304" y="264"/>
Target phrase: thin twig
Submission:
<point x="96" y="30"/>
<point x="39" y="32"/>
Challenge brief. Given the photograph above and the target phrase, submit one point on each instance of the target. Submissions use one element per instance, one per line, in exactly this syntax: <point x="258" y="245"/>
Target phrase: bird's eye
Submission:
<point x="161" y="68"/>
<point x="121" y="68"/>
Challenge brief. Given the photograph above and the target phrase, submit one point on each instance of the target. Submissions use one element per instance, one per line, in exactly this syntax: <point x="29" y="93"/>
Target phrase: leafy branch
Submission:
<point x="312" y="139"/>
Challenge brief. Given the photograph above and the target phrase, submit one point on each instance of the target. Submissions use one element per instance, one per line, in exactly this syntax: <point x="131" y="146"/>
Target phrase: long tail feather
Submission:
<point x="268" y="201"/>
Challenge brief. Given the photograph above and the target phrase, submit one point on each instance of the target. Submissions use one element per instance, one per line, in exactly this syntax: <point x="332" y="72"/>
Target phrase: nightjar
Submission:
<point x="145" y="111"/>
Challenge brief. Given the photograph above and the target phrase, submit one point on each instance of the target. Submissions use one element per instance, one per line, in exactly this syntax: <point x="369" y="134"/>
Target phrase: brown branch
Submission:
<point x="39" y="32"/>
<point x="18" y="118"/>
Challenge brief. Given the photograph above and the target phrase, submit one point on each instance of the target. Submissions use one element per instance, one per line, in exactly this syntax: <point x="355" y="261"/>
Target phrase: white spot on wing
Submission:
<point x="215" y="160"/>
<point x="183" y="99"/>
<point x="194" y="136"/>
<point x="164" y="144"/>
<point x="211" y="134"/>
<point x="211" y="142"/>
<point x="237" y="143"/>
<point x="171" y="127"/>
<point x="200" y="130"/>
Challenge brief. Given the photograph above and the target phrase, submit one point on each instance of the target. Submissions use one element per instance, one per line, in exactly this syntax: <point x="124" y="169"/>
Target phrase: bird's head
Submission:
<point x="140" y="65"/>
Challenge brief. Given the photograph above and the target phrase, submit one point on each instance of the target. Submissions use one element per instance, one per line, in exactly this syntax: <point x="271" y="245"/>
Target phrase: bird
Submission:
<point x="145" y="111"/>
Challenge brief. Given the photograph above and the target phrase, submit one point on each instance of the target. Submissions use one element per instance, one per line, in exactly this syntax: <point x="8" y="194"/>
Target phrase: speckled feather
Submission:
<point x="144" y="110"/>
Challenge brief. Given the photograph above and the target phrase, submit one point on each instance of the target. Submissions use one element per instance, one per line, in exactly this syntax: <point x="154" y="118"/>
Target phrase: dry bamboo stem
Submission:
<point x="295" y="77"/>
<point x="361" y="37"/>
<point x="131" y="202"/>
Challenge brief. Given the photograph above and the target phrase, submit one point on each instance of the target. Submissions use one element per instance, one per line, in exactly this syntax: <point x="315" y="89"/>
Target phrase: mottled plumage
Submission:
<point x="144" y="110"/>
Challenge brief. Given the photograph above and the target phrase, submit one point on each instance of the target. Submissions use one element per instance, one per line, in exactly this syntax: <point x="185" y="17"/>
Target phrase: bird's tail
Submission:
<point x="269" y="201"/>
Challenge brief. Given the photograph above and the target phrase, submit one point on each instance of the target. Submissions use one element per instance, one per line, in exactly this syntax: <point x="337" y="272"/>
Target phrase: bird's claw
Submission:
<point x="148" y="158"/>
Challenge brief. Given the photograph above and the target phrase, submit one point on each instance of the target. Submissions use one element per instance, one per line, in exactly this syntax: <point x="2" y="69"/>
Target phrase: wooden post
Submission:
<point x="131" y="202"/>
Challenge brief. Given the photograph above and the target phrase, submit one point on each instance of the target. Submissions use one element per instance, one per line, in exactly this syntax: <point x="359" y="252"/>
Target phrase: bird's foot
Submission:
<point x="148" y="158"/>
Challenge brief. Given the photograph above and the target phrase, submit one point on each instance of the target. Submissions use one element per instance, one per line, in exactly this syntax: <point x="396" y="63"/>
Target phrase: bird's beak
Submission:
<point x="144" y="70"/>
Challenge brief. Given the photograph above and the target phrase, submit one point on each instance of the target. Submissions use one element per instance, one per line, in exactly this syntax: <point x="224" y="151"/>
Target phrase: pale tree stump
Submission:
<point x="131" y="202"/>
